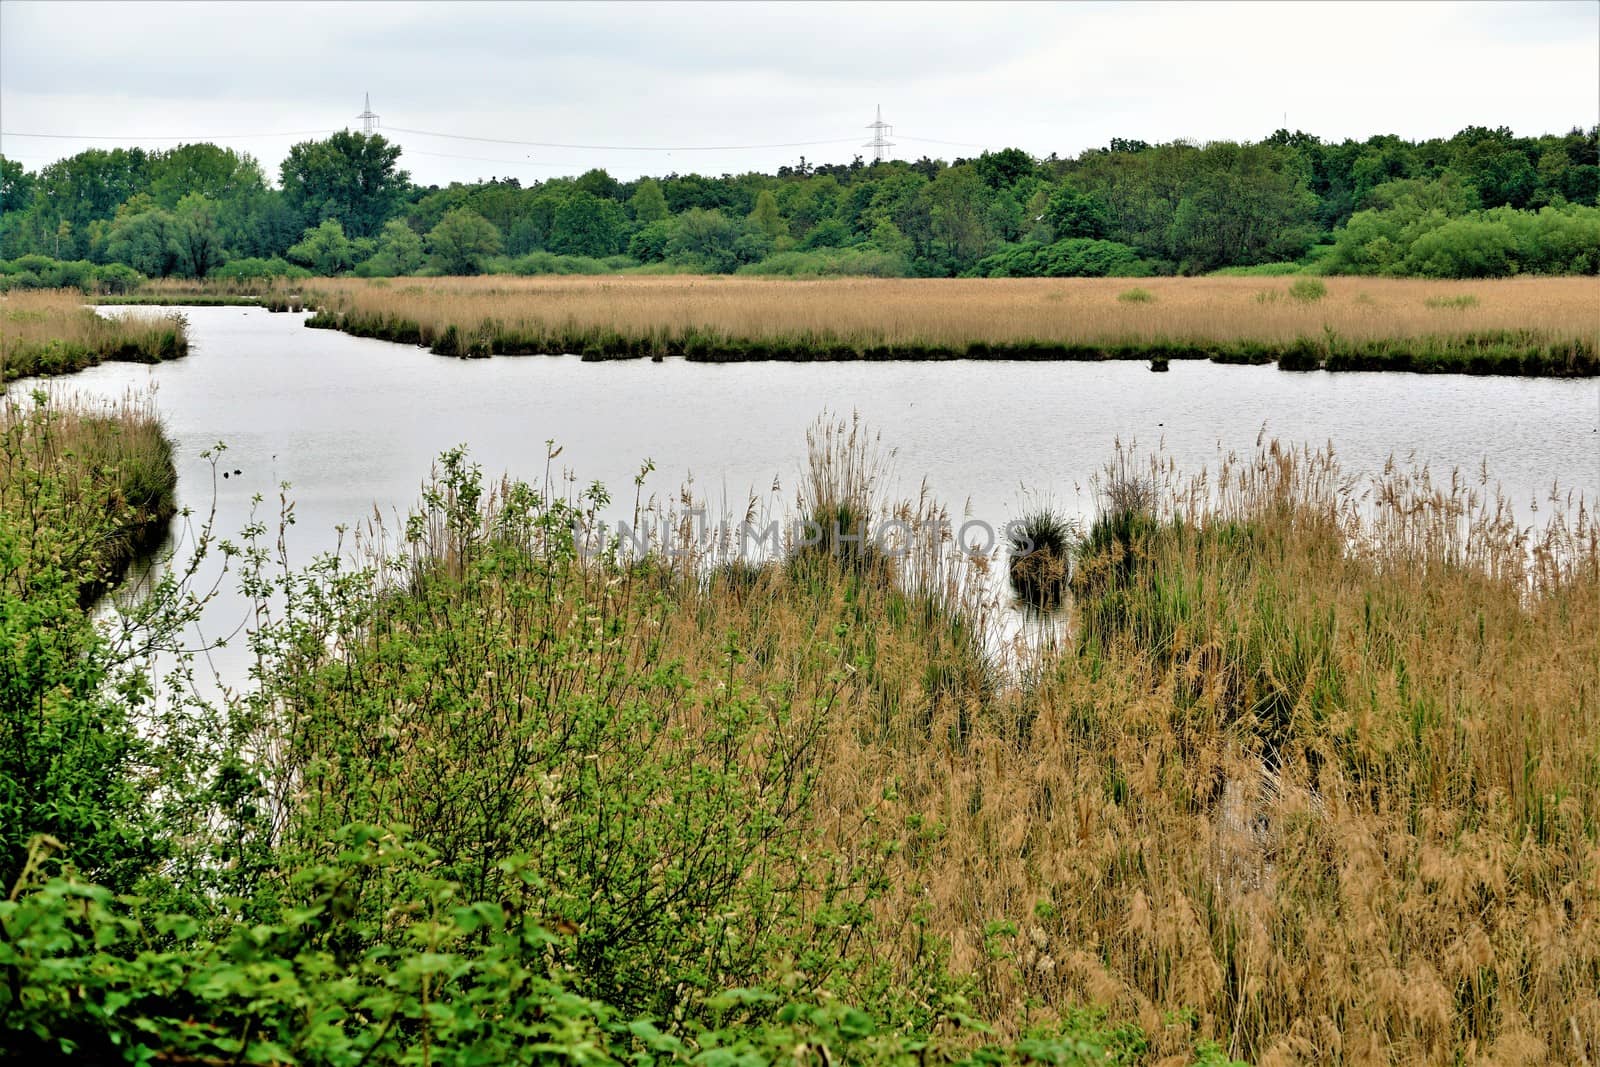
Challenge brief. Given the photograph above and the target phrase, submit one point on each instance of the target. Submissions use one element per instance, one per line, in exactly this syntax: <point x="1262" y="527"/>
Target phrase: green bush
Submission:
<point x="1076" y="257"/>
<point x="1464" y="248"/>
<point x="535" y="263"/>
<point x="102" y="978"/>
<point x="1259" y="270"/>
<point x="117" y="278"/>
<point x="1415" y="236"/>
<point x="42" y="272"/>
<point x="830" y="263"/>
<point x="1307" y="290"/>
<point x="1465" y="300"/>
<point x="255" y="268"/>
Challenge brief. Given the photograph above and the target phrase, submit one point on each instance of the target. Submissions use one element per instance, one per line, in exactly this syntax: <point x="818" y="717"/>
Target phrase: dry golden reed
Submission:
<point x="1319" y="780"/>
<point x="1324" y="788"/>
<point x="960" y="312"/>
<point x="52" y="332"/>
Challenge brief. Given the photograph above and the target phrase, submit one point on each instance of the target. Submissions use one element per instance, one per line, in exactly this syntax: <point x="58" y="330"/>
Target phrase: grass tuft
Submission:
<point x="1040" y="556"/>
<point x="1308" y="290"/>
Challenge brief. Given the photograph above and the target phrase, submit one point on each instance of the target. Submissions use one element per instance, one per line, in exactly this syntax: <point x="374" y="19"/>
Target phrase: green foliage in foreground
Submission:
<point x="108" y="978"/>
<point x="79" y="492"/>
<point x="590" y="917"/>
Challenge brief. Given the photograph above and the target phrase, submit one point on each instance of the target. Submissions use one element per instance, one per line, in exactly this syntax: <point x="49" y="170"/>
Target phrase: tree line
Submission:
<point x="1481" y="203"/>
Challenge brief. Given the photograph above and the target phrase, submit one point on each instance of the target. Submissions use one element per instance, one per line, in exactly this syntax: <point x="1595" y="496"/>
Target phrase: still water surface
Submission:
<point x="354" y="424"/>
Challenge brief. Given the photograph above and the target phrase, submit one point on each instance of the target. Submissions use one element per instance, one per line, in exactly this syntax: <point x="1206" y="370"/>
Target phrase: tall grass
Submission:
<point x="1319" y="766"/>
<point x="1314" y="777"/>
<point x="83" y="487"/>
<point x="1521" y="326"/>
<point x="52" y="332"/>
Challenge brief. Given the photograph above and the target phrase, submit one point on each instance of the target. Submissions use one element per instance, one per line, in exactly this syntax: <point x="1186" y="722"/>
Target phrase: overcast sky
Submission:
<point x="1043" y="77"/>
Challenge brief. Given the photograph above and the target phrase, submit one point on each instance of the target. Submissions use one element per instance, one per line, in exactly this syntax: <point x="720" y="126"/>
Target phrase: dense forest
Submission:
<point x="1483" y="203"/>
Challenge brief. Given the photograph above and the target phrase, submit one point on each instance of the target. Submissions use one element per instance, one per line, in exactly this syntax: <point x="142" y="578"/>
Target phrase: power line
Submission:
<point x="880" y="142"/>
<point x="485" y="159"/>
<point x="185" y="137"/>
<point x="952" y="144"/>
<point x="620" y="147"/>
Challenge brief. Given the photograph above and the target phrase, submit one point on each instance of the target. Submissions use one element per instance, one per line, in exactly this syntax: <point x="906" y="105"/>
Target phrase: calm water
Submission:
<point x="352" y="424"/>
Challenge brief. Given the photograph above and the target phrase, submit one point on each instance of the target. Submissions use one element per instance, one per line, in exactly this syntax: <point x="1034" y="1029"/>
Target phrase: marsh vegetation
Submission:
<point x="1525" y="326"/>
<point x="1310" y="780"/>
<point x="53" y="332"/>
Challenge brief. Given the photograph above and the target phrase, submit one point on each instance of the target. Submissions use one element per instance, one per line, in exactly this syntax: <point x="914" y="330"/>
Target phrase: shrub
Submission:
<point x="1465" y="300"/>
<point x="535" y="263"/>
<point x="1259" y="270"/>
<point x="1077" y="257"/>
<point x="1308" y="290"/>
<point x="117" y="278"/>
<point x="42" y="272"/>
<point x="253" y="268"/>
<point x="830" y="263"/>
<point x="1136" y="296"/>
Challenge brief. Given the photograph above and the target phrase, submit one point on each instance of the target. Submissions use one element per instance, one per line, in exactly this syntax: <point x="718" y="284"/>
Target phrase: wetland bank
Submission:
<point x="1282" y="745"/>
<point x="1242" y="741"/>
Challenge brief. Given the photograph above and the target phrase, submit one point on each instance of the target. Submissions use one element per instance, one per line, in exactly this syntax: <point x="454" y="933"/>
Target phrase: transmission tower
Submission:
<point x="369" y="121"/>
<point x="880" y="143"/>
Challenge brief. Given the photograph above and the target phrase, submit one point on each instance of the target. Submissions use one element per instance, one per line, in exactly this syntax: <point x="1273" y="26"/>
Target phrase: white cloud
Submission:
<point x="1043" y="77"/>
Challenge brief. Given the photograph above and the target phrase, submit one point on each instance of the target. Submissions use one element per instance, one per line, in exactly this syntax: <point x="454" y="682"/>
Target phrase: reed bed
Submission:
<point x="1523" y="326"/>
<point x="1316" y="777"/>
<point x="195" y="292"/>
<point x="1321" y="768"/>
<point x="84" y="487"/>
<point x="52" y="332"/>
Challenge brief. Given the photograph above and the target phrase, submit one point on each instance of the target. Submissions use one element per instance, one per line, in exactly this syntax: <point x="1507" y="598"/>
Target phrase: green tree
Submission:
<point x="145" y="238"/>
<point x="648" y="203"/>
<point x="958" y="219"/>
<point x="462" y="241"/>
<point x="16" y="186"/>
<point x="588" y="225"/>
<point x="597" y="182"/>
<point x="1005" y="216"/>
<point x="400" y="249"/>
<point x="765" y="217"/>
<point x="219" y="173"/>
<point x="1003" y="169"/>
<point x="88" y="186"/>
<point x="324" y="248"/>
<point x="651" y="242"/>
<point x="351" y="178"/>
<point x="704" y="239"/>
<point x="886" y="237"/>
<point x="198" y="239"/>
<point x="258" y="224"/>
<point x="1071" y="213"/>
